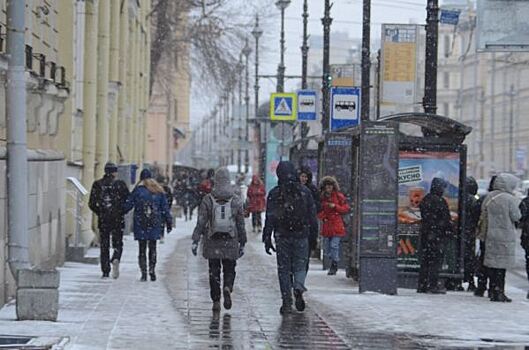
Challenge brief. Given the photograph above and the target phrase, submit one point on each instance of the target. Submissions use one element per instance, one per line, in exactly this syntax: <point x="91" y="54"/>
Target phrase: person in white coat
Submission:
<point x="501" y="210"/>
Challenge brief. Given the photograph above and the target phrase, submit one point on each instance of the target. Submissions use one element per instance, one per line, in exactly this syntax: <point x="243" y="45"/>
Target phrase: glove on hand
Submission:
<point x="269" y="246"/>
<point x="241" y="250"/>
<point x="194" y="248"/>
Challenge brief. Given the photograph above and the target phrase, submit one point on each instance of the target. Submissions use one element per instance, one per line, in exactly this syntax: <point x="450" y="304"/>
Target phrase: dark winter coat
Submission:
<point x="168" y="196"/>
<point x="502" y="214"/>
<point x="472" y="209"/>
<point x="162" y="215"/>
<point x="114" y="217"/>
<point x="220" y="248"/>
<point x="256" y="196"/>
<point x="313" y="188"/>
<point x="288" y="181"/>
<point x="524" y="222"/>
<point x="436" y="221"/>
<point x="332" y="221"/>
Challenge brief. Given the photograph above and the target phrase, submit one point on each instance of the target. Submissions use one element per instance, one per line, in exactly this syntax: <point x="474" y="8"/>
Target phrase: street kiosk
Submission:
<point x="385" y="168"/>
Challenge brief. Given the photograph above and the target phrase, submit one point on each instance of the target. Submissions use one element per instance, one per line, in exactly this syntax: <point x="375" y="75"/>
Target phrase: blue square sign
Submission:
<point x="345" y="107"/>
<point x="307" y="105"/>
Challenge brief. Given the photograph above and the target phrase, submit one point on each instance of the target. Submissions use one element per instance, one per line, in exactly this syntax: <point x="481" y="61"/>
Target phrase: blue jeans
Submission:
<point x="292" y="256"/>
<point x="331" y="248"/>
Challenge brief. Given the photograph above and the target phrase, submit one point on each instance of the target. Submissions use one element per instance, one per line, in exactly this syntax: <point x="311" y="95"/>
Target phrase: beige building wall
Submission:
<point x="55" y="34"/>
<point x="168" y="118"/>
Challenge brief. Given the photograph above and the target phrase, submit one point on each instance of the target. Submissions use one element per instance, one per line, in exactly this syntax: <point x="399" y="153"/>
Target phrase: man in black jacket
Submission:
<point x="524" y="223"/>
<point x="473" y="211"/>
<point x="291" y="217"/>
<point x="107" y="197"/>
<point x="305" y="177"/>
<point x="435" y="227"/>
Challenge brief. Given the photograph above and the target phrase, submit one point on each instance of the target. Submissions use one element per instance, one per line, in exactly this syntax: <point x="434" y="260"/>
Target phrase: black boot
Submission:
<point x="333" y="269"/>
<point x="471" y="287"/>
<point x="153" y="276"/>
<point x="227" y="297"/>
<point x="479" y="292"/>
<point x="143" y="277"/>
<point x="286" y="308"/>
<point x="300" y="303"/>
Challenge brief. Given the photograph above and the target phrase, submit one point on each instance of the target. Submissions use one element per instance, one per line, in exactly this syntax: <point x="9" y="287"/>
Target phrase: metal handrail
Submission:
<point x="80" y="193"/>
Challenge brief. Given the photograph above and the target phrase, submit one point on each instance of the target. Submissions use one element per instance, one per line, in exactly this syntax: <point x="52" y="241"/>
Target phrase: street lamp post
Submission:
<point x="240" y="69"/>
<point x="257" y="32"/>
<point x="326" y="21"/>
<point x="366" y="59"/>
<point x="430" y="81"/>
<point x="246" y="51"/>
<point x="512" y="158"/>
<point x="282" y="5"/>
<point x="304" y="68"/>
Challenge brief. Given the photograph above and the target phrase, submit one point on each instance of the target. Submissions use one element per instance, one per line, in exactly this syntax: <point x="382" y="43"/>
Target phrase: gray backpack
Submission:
<point x="222" y="219"/>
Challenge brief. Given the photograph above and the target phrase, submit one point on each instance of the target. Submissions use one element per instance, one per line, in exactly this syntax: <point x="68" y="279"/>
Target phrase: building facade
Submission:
<point x="87" y="71"/>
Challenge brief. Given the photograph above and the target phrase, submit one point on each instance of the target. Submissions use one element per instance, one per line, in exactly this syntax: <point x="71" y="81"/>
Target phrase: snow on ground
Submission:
<point x="126" y="314"/>
<point x="459" y="317"/>
<point x="100" y="314"/>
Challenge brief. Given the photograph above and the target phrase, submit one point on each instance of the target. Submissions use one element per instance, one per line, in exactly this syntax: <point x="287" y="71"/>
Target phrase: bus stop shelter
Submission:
<point x="385" y="168"/>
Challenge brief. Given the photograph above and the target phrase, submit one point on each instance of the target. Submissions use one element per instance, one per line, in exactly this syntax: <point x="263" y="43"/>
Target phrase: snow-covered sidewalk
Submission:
<point x="100" y="313"/>
<point x="455" y="319"/>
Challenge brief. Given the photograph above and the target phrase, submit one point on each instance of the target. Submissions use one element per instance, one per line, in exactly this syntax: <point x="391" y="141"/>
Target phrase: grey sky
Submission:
<point x="347" y="15"/>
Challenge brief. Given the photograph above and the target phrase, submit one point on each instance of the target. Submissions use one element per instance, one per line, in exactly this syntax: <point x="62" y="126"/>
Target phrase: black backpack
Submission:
<point x="148" y="213"/>
<point x="292" y="209"/>
<point x="110" y="204"/>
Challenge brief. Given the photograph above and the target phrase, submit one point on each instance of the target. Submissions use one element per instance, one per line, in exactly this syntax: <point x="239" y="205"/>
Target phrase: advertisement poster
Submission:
<point x="416" y="171"/>
<point x="399" y="53"/>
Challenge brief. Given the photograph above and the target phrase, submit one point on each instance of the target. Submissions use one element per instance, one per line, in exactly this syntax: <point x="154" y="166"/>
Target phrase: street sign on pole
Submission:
<point x="449" y="16"/>
<point x="307" y="105"/>
<point x="283" y="107"/>
<point x="345" y="107"/>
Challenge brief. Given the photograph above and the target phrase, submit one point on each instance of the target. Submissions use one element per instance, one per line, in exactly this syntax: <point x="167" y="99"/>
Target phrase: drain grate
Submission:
<point x="7" y="341"/>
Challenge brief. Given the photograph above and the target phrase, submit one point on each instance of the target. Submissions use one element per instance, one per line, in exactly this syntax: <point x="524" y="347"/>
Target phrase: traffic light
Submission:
<point x="328" y="81"/>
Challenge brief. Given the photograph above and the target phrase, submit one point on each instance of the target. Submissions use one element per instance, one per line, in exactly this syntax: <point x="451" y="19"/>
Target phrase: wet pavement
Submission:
<point x="254" y="321"/>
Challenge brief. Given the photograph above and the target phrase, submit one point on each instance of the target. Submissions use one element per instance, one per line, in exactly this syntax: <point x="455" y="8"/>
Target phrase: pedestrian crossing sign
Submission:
<point x="283" y="107"/>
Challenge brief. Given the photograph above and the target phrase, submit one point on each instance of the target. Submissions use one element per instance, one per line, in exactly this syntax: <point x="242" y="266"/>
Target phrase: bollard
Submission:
<point x="38" y="295"/>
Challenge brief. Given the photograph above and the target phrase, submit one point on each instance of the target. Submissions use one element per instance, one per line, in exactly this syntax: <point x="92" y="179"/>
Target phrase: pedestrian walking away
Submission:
<point x="306" y="179"/>
<point x="524" y="224"/>
<point x="169" y="197"/>
<point x="220" y="226"/>
<point x="107" y="201"/>
<point x="151" y="212"/>
<point x="436" y="227"/>
<point x="291" y="219"/>
<point x="482" y="272"/>
<point x="333" y="206"/>
<point x="473" y="211"/>
<point x="256" y="202"/>
<point x="501" y="212"/>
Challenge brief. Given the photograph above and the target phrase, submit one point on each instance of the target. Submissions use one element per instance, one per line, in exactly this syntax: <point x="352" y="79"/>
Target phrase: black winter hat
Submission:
<point x="145" y="174"/>
<point x="111" y="168"/>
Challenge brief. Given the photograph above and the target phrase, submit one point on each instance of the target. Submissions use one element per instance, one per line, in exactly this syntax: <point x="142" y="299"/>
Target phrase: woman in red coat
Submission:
<point x="256" y="202"/>
<point x="333" y="206"/>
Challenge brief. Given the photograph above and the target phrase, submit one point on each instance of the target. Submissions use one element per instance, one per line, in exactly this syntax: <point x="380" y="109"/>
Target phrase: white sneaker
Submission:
<point x="115" y="269"/>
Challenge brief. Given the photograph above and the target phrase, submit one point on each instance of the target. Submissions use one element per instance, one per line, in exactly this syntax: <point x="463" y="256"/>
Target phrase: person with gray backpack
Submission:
<point x="221" y="224"/>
